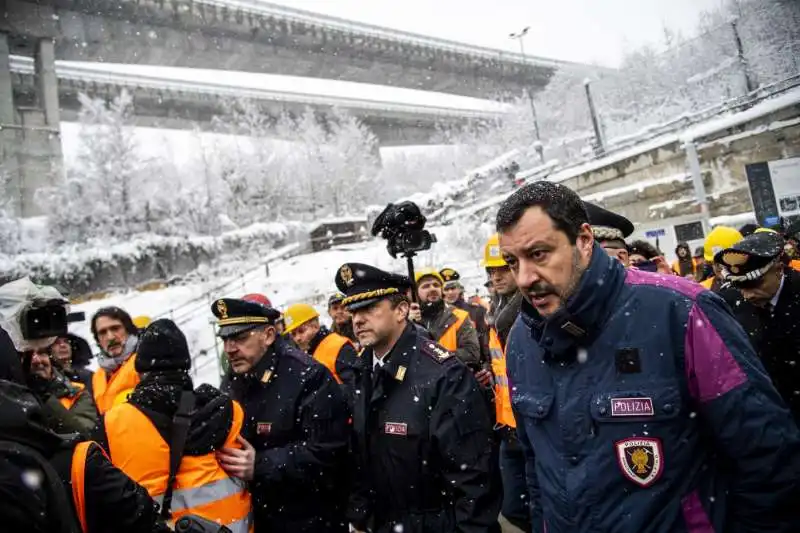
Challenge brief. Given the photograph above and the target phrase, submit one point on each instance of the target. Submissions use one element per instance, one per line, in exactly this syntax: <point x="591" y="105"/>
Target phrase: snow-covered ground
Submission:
<point x="304" y="278"/>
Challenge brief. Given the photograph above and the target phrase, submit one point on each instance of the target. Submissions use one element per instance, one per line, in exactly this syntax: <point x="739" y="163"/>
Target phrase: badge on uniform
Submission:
<point x="263" y="428"/>
<point x="632" y="407"/>
<point x="396" y="428"/>
<point x="640" y="459"/>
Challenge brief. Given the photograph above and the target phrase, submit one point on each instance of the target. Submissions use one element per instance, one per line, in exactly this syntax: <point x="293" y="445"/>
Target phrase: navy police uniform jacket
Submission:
<point x="423" y="440"/>
<point x="297" y="419"/>
<point x="643" y="408"/>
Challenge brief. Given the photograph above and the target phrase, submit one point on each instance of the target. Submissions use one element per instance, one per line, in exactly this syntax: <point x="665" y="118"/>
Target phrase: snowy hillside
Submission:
<point x="305" y="278"/>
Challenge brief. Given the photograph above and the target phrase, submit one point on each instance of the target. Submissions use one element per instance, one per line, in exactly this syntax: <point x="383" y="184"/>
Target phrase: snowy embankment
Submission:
<point x="305" y="278"/>
<point x="96" y="266"/>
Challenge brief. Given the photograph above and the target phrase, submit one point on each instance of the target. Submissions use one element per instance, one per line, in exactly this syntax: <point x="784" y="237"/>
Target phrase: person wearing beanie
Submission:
<point x="117" y="336"/>
<point x="138" y="434"/>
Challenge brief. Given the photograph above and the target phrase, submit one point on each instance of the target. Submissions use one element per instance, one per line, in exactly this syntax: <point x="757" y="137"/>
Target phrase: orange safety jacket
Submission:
<point x="201" y="485"/>
<point x="106" y="390"/>
<point x="69" y="401"/>
<point x="449" y="339"/>
<point x="78" y="480"/>
<point x="795" y="264"/>
<point x="502" y="395"/>
<point x="328" y="351"/>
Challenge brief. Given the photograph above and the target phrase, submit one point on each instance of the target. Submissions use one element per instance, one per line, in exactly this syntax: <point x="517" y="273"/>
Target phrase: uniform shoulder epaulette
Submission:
<point x="435" y="352"/>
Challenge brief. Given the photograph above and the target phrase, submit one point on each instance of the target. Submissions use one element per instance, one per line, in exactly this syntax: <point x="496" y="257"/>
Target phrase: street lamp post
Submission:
<point x="519" y="37"/>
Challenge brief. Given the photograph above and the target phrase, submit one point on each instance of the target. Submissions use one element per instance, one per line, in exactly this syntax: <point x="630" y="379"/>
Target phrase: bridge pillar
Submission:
<point x="40" y="156"/>
<point x="9" y="164"/>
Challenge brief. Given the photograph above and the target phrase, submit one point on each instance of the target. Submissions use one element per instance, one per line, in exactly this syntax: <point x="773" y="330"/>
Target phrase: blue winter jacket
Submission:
<point x="642" y="408"/>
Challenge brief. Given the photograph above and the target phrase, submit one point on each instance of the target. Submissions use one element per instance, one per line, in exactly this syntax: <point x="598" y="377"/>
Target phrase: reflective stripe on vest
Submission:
<point x="502" y="395"/>
<point x="449" y="339"/>
<point x="328" y="351"/>
<point x="106" y="390"/>
<point x="69" y="401"/>
<point x="78" y="479"/>
<point x="201" y="486"/>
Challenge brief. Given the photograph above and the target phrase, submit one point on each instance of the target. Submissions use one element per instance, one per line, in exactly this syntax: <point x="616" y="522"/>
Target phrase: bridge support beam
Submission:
<point x="9" y="161"/>
<point x="38" y="133"/>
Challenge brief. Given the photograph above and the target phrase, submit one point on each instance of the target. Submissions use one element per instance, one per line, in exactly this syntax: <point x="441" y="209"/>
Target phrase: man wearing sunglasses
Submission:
<point x="767" y="304"/>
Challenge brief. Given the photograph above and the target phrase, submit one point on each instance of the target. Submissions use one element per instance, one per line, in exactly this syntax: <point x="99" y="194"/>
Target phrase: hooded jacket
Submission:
<point x="643" y="408"/>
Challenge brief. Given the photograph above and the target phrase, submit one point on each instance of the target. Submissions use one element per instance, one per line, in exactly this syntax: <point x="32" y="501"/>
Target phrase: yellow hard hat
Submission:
<point x="297" y="315"/>
<point x="492" y="258"/>
<point x="428" y="272"/>
<point x="719" y="239"/>
<point x="142" y="321"/>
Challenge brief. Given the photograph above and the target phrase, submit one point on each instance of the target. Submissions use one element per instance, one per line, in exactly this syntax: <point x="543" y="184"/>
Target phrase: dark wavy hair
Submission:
<point x="117" y="314"/>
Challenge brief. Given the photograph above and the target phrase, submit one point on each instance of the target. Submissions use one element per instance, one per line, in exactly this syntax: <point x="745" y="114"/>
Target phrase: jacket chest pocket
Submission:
<point x="535" y="407"/>
<point x="642" y="405"/>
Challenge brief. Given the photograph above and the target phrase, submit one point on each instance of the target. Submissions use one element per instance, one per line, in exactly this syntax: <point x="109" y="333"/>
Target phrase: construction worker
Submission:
<point x="116" y="335"/>
<point x="450" y="326"/>
<point x="506" y="305"/>
<point x="141" y="322"/>
<point x="719" y="239"/>
<point x="140" y="434"/>
<point x="334" y="351"/>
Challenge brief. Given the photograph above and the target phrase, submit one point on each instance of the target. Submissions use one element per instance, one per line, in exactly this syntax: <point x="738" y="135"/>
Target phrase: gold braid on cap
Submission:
<point x="379" y="293"/>
<point x="606" y="233"/>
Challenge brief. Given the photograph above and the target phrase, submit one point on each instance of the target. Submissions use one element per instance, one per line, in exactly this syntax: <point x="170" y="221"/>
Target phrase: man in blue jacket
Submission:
<point x="640" y="403"/>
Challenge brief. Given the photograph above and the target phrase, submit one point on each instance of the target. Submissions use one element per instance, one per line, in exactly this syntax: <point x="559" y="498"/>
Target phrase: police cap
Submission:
<point x="606" y="225"/>
<point x="364" y="285"/>
<point x="336" y="298"/>
<point x="235" y="316"/>
<point x="451" y="277"/>
<point x="751" y="258"/>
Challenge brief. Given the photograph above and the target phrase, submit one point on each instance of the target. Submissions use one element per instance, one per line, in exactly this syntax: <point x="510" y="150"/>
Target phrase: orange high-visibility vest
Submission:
<point x="502" y="395"/>
<point x="106" y="390"/>
<point x="78" y="479"/>
<point x="201" y="485"/>
<point x="69" y="401"/>
<point x="449" y="339"/>
<point x="795" y="264"/>
<point x="328" y="351"/>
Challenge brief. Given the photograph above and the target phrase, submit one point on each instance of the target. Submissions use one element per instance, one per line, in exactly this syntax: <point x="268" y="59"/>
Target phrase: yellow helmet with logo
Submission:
<point x="297" y="315"/>
<point x="428" y="273"/>
<point x="720" y="238"/>
<point x="492" y="258"/>
<point x="142" y="321"/>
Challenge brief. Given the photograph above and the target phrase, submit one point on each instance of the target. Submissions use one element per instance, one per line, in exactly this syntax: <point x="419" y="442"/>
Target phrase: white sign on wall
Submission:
<point x="785" y="175"/>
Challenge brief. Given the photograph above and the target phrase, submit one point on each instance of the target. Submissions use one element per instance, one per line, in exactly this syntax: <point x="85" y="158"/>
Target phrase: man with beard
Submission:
<point x="767" y="304"/>
<point x="639" y="401"/>
<point x="116" y="335"/>
<point x="342" y="321"/>
<point x="296" y="419"/>
<point x="140" y="434"/>
<point x="450" y="326"/>
<point x="67" y="405"/>
<point x="422" y="429"/>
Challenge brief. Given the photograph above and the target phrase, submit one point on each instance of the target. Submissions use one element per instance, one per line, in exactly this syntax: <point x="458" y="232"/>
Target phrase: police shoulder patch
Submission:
<point x="435" y="352"/>
<point x="640" y="459"/>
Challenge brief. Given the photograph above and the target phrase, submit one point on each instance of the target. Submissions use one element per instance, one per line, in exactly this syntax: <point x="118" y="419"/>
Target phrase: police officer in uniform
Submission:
<point x="296" y="419"/>
<point x="423" y="435"/>
<point x="766" y="302"/>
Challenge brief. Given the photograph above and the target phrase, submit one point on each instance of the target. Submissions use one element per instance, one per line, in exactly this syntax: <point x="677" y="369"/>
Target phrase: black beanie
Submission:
<point x="162" y="347"/>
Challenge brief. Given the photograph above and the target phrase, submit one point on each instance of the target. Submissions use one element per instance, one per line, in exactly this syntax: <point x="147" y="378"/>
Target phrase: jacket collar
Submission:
<point x="584" y="313"/>
<point x="318" y="338"/>
<point x="399" y="356"/>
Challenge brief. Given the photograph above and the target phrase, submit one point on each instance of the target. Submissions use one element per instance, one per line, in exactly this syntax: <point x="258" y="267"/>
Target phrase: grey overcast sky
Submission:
<point x="576" y="30"/>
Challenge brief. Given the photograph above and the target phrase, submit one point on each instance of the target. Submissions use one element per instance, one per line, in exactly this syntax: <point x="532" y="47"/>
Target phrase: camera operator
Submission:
<point x="50" y="482"/>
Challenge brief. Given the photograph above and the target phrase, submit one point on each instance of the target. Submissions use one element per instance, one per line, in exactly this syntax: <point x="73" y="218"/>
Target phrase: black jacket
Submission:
<point x="775" y="335"/>
<point x="423" y="443"/>
<point x="113" y="502"/>
<point x="297" y="419"/>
